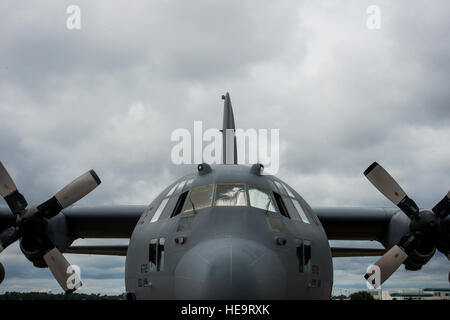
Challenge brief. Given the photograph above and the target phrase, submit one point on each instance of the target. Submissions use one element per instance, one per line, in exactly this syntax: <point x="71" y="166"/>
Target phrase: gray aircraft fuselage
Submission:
<point x="228" y="252"/>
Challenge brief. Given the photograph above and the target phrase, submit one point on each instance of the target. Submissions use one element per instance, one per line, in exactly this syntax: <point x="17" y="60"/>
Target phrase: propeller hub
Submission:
<point x="426" y="223"/>
<point x="31" y="222"/>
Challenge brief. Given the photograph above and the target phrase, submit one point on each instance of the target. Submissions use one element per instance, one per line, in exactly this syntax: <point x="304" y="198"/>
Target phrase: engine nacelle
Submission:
<point x="32" y="252"/>
<point x="418" y="257"/>
<point x="58" y="233"/>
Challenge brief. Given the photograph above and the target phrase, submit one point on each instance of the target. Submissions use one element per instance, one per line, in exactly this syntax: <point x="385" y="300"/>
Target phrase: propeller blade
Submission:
<point x="7" y="185"/>
<point x="67" y="278"/>
<point x="8" y="237"/>
<point x="2" y="273"/>
<point x="70" y="194"/>
<point x="387" y="185"/>
<point x="8" y="190"/>
<point x="442" y="209"/>
<point x="388" y="264"/>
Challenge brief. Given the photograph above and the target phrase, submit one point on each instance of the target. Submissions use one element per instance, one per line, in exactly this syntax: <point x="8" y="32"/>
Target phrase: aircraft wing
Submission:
<point x="118" y="221"/>
<point x="385" y="225"/>
<point x="340" y="223"/>
<point x="364" y="223"/>
<point x="356" y="223"/>
<point x="79" y="222"/>
<point x="103" y="221"/>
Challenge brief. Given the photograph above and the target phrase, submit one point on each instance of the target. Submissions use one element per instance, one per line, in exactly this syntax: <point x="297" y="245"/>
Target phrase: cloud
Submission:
<point x="109" y="95"/>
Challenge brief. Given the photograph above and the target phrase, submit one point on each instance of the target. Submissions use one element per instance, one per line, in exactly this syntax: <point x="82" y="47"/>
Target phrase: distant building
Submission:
<point x="48" y="291"/>
<point x="442" y="294"/>
<point x="411" y="294"/>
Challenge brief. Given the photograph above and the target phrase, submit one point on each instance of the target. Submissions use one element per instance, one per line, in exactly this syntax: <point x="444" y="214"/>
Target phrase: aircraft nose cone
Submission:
<point x="230" y="268"/>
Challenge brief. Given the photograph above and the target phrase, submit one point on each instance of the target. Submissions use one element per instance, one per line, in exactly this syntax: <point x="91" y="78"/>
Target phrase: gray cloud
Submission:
<point x="109" y="96"/>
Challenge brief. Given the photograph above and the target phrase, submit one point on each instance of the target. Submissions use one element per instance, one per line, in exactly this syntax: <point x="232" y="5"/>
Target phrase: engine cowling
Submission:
<point x="418" y="257"/>
<point x="32" y="252"/>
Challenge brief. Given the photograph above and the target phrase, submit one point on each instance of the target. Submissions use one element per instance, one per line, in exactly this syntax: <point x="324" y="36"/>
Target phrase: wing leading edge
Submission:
<point x="340" y="223"/>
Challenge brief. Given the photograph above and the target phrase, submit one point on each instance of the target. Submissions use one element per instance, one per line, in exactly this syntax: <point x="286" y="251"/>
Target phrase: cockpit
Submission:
<point x="183" y="197"/>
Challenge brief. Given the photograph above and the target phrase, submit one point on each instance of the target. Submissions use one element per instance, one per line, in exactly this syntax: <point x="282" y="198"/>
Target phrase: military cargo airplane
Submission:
<point x="225" y="231"/>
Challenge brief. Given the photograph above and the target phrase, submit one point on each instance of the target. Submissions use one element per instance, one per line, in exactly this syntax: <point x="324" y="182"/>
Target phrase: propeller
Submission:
<point x="426" y="233"/>
<point x="31" y="222"/>
<point x="2" y="273"/>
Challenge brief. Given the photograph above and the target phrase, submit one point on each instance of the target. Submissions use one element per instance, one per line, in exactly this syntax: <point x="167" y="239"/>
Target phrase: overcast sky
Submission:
<point x="109" y="95"/>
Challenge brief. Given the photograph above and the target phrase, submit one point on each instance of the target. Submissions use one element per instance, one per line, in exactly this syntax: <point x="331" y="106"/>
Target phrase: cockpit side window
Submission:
<point x="188" y="183"/>
<point x="200" y="197"/>
<point x="170" y="206"/>
<point x="179" y="205"/>
<point x="160" y="209"/>
<point x="261" y="199"/>
<point x="288" y="201"/>
<point x="300" y="211"/>
<point x="281" y="205"/>
<point x="288" y="190"/>
<point x="230" y="195"/>
<point x="180" y="186"/>
<point x="280" y="188"/>
<point x="172" y="190"/>
<point x="172" y="203"/>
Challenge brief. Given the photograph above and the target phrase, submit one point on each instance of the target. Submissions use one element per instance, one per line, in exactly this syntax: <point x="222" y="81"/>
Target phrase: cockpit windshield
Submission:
<point x="200" y="197"/>
<point x="180" y="199"/>
<point x="230" y="195"/>
<point x="261" y="199"/>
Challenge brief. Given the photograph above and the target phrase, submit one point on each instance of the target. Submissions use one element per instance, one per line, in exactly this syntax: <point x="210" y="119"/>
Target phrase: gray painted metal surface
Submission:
<point x="230" y="252"/>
